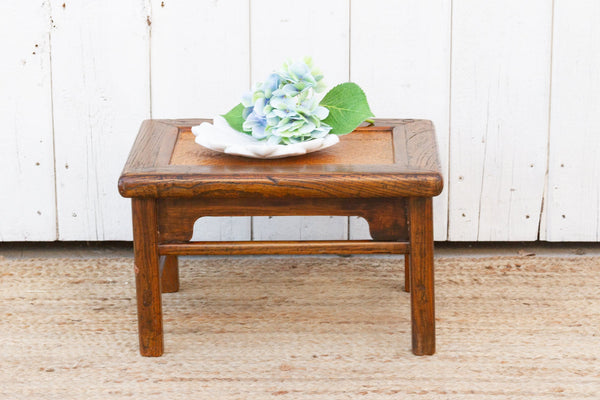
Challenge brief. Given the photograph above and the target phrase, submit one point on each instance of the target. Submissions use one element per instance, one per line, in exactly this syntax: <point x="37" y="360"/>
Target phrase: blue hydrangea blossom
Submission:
<point x="284" y="109"/>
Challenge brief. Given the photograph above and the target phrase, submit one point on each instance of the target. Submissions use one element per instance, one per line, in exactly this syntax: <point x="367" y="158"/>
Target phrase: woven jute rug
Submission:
<point x="298" y="328"/>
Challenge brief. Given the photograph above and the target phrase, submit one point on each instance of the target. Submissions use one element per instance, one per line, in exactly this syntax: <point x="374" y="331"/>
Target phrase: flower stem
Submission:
<point x="370" y="121"/>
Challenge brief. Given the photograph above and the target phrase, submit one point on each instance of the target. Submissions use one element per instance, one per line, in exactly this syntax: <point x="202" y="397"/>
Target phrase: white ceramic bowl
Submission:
<point x="219" y="136"/>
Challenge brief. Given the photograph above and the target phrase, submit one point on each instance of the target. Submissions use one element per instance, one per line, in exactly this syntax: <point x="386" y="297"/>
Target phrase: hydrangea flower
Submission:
<point x="284" y="108"/>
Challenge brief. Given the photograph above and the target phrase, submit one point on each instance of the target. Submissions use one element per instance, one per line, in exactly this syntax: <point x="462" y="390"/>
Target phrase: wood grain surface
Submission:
<point x="284" y="247"/>
<point x="147" y="277"/>
<point x="169" y="274"/>
<point x="366" y="147"/>
<point x="415" y="170"/>
<point x="386" y="216"/>
<point x="153" y="145"/>
<point x="422" y="297"/>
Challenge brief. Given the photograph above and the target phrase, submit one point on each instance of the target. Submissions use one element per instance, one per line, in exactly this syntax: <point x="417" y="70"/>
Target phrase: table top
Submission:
<point x="390" y="158"/>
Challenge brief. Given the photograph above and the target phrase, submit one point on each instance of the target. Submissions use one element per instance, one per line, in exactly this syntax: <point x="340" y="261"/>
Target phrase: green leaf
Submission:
<point x="348" y="108"/>
<point x="234" y="117"/>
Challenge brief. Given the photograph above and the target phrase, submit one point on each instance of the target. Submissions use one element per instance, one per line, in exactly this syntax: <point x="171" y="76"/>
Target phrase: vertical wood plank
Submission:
<point x="27" y="198"/>
<point x="200" y="68"/>
<point x="101" y="95"/>
<point x="573" y="206"/>
<point x="500" y="96"/>
<point x="400" y="56"/>
<point x="282" y="30"/>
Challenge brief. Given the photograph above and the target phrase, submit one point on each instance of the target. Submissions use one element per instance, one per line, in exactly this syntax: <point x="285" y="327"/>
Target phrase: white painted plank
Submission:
<point x="200" y="57"/>
<point x="27" y="198"/>
<point x="359" y="229"/>
<point x="288" y="29"/>
<point x="400" y="56"/>
<point x="573" y="209"/>
<point x="200" y="68"/>
<point x="101" y="95"/>
<point x="222" y="229"/>
<point x="300" y="228"/>
<point x="499" y="118"/>
<point x="542" y="234"/>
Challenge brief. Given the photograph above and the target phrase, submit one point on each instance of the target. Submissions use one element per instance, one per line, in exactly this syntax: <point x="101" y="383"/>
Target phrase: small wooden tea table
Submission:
<point x="386" y="173"/>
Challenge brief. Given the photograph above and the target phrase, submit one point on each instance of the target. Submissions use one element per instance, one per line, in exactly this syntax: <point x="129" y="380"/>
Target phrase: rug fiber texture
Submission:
<point x="302" y="328"/>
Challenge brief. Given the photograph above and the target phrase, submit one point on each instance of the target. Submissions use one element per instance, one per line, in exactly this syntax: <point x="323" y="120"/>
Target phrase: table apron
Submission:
<point x="387" y="217"/>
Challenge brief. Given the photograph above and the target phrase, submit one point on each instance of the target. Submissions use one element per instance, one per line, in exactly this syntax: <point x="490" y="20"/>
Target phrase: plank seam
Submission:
<point x="545" y="192"/>
<point x="349" y="40"/>
<point x="151" y="16"/>
<point x="542" y="213"/>
<point x="250" y="42"/>
<point x="250" y="83"/>
<point x="449" y="185"/>
<point x="56" y="231"/>
<point x="348" y="222"/>
<point x="485" y="148"/>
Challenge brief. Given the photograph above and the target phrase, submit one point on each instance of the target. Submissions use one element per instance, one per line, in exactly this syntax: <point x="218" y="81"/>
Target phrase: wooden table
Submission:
<point x="386" y="173"/>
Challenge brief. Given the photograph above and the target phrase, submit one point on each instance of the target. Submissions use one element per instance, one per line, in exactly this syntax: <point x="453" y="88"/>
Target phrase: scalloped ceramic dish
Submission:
<point x="219" y="136"/>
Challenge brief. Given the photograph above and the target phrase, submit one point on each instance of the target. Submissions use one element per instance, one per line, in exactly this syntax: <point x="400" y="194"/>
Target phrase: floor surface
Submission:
<point x="16" y="250"/>
<point x="302" y="328"/>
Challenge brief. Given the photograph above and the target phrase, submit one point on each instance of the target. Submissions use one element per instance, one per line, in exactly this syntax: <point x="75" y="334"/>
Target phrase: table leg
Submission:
<point x="147" y="276"/>
<point x="169" y="276"/>
<point x="407" y="272"/>
<point x="421" y="275"/>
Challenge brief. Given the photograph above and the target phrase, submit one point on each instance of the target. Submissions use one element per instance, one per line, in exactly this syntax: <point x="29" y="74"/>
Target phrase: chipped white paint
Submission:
<point x="282" y="30"/>
<point x="499" y="118"/>
<point x="482" y="71"/>
<point x="573" y="205"/>
<point x="27" y="199"/>
<point x="401" y="58"/>
<point x="200" y="67"/>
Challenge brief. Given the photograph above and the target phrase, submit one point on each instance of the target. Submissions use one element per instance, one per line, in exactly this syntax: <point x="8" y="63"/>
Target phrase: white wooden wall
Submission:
<point x="513" y="88"/>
